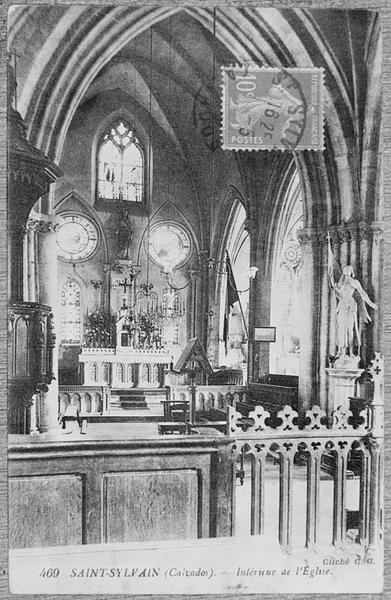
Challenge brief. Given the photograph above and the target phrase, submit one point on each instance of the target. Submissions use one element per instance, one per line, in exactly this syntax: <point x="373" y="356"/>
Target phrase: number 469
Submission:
<point x="49" y="572"/>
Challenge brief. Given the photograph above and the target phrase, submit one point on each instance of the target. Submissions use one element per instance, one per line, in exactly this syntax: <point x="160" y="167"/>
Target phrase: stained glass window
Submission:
<point x="120" y="165"/>
<point x="70" y="313"/>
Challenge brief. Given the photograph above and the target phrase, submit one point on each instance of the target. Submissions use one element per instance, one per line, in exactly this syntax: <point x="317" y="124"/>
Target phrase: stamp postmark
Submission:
<point x="272" y="109"/>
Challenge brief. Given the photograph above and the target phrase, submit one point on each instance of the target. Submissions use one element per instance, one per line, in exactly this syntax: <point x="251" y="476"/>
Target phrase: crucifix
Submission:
<point x="126" y="284"/>
<point x="129" y="283"/>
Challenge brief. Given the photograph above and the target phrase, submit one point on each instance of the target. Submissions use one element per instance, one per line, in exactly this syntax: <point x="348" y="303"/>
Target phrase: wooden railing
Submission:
<point x="312" y="440"/>
<point x="309" y="439"/>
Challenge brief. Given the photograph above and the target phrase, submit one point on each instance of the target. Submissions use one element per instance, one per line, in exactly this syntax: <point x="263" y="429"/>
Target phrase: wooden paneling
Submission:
<point x="45" y="511"/>
<point x="164" y="488"/>
<point x="150" y="505"/>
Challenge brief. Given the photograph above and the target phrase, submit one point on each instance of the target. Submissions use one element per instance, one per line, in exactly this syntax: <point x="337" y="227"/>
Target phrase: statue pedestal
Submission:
<point x="342" y="385"/>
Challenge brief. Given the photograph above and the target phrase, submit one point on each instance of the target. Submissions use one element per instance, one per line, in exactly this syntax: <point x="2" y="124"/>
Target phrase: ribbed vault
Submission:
<point x="82" y="41"/>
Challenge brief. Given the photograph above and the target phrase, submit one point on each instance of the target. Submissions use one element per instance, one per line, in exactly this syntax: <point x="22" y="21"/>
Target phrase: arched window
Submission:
<point x="70" y="313"/>
<point x="120" y="164"/>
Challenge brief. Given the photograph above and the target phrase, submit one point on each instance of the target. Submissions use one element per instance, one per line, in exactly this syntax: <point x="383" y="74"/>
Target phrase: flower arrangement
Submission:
<point x="99" y="331"/>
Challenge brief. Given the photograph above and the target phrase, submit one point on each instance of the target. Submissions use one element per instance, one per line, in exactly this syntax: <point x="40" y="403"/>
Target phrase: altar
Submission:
<point x="131" y="350"/>
<point x="124" y="367"/>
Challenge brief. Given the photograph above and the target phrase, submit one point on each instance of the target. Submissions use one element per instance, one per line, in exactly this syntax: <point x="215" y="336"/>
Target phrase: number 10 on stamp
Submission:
<point x="272" y="109"/>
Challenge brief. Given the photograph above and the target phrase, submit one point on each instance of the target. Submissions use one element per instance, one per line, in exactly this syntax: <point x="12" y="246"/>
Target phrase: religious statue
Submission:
<point x="351" y="312"/>
<point x="124" y="235"/>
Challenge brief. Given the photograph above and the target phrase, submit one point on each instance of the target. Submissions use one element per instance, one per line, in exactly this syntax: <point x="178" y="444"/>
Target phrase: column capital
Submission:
<point x="349" y="230"/>
<point x="43" y="223"/>
<point x="47" y="226"/>
<point x="311" y="236"/>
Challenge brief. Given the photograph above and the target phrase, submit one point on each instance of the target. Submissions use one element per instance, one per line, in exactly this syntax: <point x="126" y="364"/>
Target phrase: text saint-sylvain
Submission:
<point x="116" y="572"/>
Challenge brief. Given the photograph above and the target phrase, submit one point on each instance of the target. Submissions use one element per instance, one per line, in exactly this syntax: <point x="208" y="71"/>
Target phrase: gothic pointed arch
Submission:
<point x="234" y="246"/>
<point x="286" y="265"/>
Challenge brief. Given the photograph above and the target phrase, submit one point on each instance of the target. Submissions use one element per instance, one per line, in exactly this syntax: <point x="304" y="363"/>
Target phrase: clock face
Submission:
<point x="169" y="245"/>
<point x="77" y="238"/>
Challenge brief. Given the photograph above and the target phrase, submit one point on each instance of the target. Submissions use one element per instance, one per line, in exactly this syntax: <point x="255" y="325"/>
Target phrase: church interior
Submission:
<point x="179" y="332"/>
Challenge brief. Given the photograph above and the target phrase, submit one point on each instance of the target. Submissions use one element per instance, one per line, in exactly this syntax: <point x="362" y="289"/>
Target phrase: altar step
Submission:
<point x="144" y="404"/>
<point x="131" y="402"/>
<point x="122" y="416"/>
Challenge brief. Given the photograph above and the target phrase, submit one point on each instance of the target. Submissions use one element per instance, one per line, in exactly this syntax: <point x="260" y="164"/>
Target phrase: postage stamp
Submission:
<point x="272" y="109"/>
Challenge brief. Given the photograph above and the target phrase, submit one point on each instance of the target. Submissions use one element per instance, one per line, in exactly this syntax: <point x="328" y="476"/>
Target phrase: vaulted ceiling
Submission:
<point x="166" y="61"/>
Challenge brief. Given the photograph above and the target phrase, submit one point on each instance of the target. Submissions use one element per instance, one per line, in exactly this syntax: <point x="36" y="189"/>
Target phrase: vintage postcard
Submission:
<point x="195" y="301"/>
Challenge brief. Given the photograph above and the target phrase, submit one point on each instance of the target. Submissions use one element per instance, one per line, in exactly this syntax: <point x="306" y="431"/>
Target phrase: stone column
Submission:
<point x="252" y="354"/>
<point x="376" y="281"/>
<point x="48" y="294"/>
<point x="193" y="300"/>
<point x="31" y="266"/>
<point x="15" y="258"/>
<point x="308" y="372"/>
<point x="203" y="299"/>
<point x="106" y="288"/>
<point x="323" y="320"/>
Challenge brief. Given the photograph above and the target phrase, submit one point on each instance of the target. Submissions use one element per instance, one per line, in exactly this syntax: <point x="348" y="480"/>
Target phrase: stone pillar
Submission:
<point x="324" y="321"/>
<point x="212" y="347"/>
<point x="203" y="300"/>
<point x="308" y="372"/>
<point x="193" y="300"/>
<point x="253" y="357"/>
<point x="106" y="288"/>
<point x="376" y="281"/>
<point x="342" y="386"/>
<point x="48" y="294"/>
<point x="15" y="254"/>
<point x="31" y="261"/>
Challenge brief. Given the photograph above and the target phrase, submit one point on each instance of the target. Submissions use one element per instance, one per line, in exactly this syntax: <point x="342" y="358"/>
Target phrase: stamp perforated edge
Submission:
<point x="255" y="67"/>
